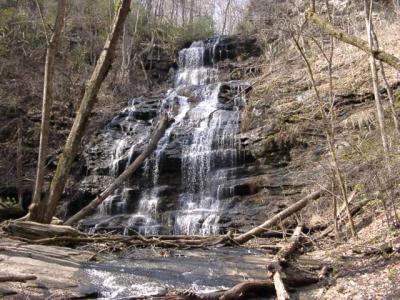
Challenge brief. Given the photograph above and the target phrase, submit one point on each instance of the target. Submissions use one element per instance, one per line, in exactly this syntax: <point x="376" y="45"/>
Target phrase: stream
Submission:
<point x="149" y="272"/>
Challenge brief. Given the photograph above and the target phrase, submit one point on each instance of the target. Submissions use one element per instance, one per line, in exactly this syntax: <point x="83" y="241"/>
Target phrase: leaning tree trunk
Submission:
<point x="327" y="27"/>
<point x="375" y="79"/>
<point x="37" y="208"/>
<point x="256" y="231"/>
<point x="88" y="209"/>
<point x="89" y="98"/>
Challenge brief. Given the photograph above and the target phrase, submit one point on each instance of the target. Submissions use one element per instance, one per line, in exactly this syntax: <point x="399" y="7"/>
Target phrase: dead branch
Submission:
<point x="243" y="238"/>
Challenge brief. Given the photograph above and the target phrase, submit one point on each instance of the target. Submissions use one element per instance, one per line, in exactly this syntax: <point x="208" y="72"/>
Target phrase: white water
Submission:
<point x="211" y="148"/>
<point x="214" y="138"/>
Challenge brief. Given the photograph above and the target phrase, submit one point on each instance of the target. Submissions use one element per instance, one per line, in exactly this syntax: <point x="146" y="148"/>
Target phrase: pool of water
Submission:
<point x="145" y="272"/>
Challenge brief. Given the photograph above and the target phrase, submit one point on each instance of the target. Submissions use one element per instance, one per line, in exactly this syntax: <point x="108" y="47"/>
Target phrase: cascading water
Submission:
<point x="208" y="115"/>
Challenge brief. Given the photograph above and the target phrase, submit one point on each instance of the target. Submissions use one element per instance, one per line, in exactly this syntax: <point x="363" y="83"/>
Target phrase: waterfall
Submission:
<point x="207" y="116"/>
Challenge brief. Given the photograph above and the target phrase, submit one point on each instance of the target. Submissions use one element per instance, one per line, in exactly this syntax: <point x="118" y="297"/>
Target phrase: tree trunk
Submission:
<point x="280" y="258"/>
<point x="225" y="16"/>
<point x="191" y="13"/>
<point x="312" y="5"/>
<point x="387" y="85"/>
<point x="89" y="98"/>
<point x="37" y="208"/>
<point x="183" y="12"/>
<point x="329" y="130"/>
<point x="375" y="79"/>
<point x="353" y="40"/>
<point x="243" y="238"/>
<point x="19" y="164"/>
<point x="158" y="134"/>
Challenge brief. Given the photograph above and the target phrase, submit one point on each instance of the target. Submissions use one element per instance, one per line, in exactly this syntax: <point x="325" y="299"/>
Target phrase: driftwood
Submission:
<point x="88" y="209"/>
<point x="36" y="231"/>
<point x="243" y="238"/>
<point x="53" y="234"/>
<point x="17" y="278"/>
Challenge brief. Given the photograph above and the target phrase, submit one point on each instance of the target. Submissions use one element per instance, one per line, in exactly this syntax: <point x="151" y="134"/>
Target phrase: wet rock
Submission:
<point x="230" y="47"/>
<point x="128" y="133"/>
<point x="76" y="201"/>
<point x="229" y="91"/>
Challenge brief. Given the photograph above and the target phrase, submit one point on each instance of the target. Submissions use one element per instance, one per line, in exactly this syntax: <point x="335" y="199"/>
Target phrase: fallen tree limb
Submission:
<point x="281" y="293"/>
<point x="290" y="247"/>
<point x="354" y="210"/>
<point x="136" y="240"/>
<point x="17" y="278"/>
<point x="243" y="238"/>
<point x="324" y="25"/>
<point x="163" y="124"/>
<point x="280" y="261"/>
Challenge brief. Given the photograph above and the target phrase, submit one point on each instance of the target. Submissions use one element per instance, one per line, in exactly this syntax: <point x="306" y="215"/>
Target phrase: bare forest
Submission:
<point x="209" y="150"/>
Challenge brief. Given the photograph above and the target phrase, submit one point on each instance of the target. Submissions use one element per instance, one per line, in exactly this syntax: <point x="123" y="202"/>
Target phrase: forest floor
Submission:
<point x="362" y="268"/>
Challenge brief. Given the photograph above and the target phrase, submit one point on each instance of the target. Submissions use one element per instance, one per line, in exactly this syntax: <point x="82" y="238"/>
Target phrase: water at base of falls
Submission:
<point x="210" y="147"/>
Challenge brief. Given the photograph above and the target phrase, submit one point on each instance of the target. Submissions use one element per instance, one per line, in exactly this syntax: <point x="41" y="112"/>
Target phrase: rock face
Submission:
<point x="229" y="161"/>
<point x="191" y="184"/>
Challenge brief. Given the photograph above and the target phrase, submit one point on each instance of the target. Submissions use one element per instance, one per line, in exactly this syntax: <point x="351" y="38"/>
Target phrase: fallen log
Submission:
<point x="354" y="210"/>
<point x="163" y="124"/>
<point x="135" y="240"/>
<point x="243" y="238"/>
<point x="290" y="247"/>
<point x="279" y="262"/>
<point x="17" y="278"/>
<point x="36" y="231"/>
<point x="281" y="293"/>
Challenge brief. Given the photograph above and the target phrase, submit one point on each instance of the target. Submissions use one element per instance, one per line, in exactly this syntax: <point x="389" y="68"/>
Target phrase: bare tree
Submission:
<point x="82" y="117"/>
<point x="19" y="164"/>
<point x="375" y="78"/>
<point x="328" y="122"/>
<point x="38" y="204"/>
<point x="183" y="12"/>
<point x="228" y="4"/>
